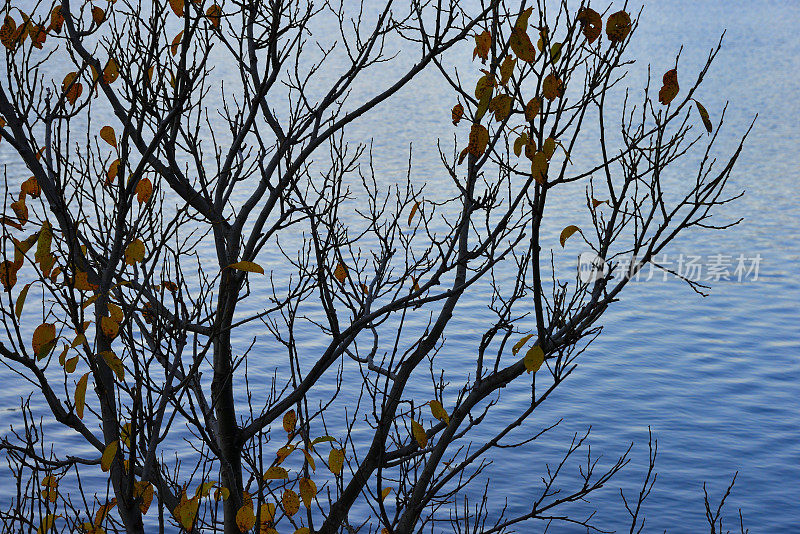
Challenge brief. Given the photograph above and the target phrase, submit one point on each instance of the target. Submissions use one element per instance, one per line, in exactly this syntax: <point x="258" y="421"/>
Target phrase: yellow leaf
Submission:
<point x="519" y="344"/>
<point x="44" y="243"/>
<point x="419" y="434"/>
<point x="108" y="455"/>
<point x="507" y="69"/>
<point x="108" y="135"/>
<point x="302" y="530"/>
<point x="80" y="395"/>
<point x="266" y="513"/>
<point x="533" y="359"/>
<point x="340" y="273"/>
<point x="125" y="434"/>
<point x="385" y="493"/>
<point x="114" y="363"/>
<point x="549" y="147"/>
<point x="555" y="53"/>
<point x="520" y="43"/>
<point x="247" y="266"/>
<point x="289" y="421"/>
<point x="284" y="452"/>
<point x="438" y="411"/>
<point x="115" y="312"/>
<point x="186" y="512"/>
<point x="414" y="209"/>
<point x="290" y="502"/>
<point x="109" y="327"/>
<point x="144" y="190"/>
<point x="214" y="14"/>
<point x="143" y="490"/>
<point x="539" y="167"/>
<point x="44" y="340"/>
<point x="566" y="233"/>
<point x="321" y="439"/>
<point x="704" y="115"/>
<point x="71" y="364"/>
<point x="222" y="493"/>
<point x="47" y="523"/>
<point x="177" y="7"/>
<point x="336" y="461"/>
<point x="134" y="252"/>
<point x="308" y="490"/>
<point x="103" y="511"/>
<point x="501" y="107"/>
<point x="310" y="460"/>
<point x="276" y="473"/>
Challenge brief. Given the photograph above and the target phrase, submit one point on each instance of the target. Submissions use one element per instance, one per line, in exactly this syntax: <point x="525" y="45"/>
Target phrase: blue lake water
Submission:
<point x="716" y="378"/>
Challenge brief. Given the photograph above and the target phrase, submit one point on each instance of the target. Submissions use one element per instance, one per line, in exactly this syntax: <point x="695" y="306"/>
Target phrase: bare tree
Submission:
<point x="192" y="184"/>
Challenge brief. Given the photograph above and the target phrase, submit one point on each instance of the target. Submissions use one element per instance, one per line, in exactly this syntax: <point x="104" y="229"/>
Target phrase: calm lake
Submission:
<point x="716" y="378"/>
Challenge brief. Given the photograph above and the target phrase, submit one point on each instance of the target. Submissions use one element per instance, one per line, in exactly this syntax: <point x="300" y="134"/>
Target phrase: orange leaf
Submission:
<point x="108" y="135"/>
<point x="483" y="43"/>
<point x="341" y="272"/>
<point x="457" y="113"/>
<point x="670" y="88"/>
<point x="618" y="26"/>
<point x="177" y="7"/>
<point x="214" y="14"/>
<point x="31" y="187"/>
<point x="98" y="15"/>
<point x="591" y="23"/>
<point x="414" y="209"/>
<point x="144" y="190"/>
<point x="176" y="43"/>
<point x="112" y="172"/>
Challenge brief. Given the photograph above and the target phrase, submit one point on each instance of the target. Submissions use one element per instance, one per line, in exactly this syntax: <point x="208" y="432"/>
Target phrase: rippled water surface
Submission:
<point x="717" y="378"/>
